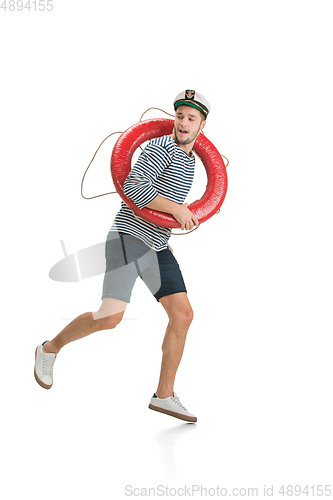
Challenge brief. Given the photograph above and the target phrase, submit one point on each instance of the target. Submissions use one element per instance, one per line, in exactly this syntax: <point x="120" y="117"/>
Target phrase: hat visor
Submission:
<point x="191" y="103"/>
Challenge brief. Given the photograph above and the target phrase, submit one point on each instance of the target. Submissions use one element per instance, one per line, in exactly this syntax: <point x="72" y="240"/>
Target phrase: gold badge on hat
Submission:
<point x="189" y="94"/>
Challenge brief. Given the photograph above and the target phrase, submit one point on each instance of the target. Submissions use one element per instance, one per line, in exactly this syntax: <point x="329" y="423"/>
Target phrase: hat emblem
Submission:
<point x="189" y="94"/>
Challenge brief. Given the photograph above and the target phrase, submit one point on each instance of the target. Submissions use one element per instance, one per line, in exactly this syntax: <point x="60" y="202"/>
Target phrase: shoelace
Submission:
<point x="48" y="365"/>
<point x="176" y="400"/>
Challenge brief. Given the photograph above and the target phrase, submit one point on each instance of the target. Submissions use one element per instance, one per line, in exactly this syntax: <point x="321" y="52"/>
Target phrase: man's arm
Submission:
<point x="138" y="185"/>
<point x="181" y="213"/>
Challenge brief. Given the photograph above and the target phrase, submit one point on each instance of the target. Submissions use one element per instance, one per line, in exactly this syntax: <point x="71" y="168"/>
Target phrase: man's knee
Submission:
<point x="183" y="316"/>
<point x="110" y="322"/>
<point x="110" y="313"/>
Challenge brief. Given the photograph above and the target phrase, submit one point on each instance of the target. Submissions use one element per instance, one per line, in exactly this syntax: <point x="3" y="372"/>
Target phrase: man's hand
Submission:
<point x="184" y="216"/>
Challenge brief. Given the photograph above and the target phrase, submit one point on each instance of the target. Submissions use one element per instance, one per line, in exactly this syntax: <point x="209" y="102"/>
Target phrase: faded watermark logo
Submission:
<point x="122" y="258"/>
<point x="79" y="265"/>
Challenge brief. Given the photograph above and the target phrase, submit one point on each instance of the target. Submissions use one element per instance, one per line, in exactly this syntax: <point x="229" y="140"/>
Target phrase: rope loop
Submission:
<point x="158" y="110"/>
<point x="111" y="192"/>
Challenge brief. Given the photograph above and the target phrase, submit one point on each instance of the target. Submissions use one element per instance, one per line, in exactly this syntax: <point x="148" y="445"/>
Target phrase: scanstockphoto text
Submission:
<point x="269" y="491"/>
<point x="26" y="5"/>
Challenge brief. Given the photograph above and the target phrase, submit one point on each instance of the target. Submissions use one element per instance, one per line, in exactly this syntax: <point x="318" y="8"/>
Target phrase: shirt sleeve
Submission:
<point x="139" y="184"/>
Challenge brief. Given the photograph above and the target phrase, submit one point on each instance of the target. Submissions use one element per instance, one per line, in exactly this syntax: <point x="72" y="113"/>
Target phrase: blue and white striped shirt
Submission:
<point x="162" y="168"/>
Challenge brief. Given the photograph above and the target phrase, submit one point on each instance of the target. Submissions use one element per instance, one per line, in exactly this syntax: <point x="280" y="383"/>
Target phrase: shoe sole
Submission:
<point x="38" y="380"/>
<point x="173" y="414"/>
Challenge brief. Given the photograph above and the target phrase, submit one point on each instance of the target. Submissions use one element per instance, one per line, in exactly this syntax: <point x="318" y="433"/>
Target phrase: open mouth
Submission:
<point x="182" y="131"/>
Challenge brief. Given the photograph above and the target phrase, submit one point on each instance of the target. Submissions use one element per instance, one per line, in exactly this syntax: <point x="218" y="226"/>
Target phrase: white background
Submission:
<point x="257" y="368"/>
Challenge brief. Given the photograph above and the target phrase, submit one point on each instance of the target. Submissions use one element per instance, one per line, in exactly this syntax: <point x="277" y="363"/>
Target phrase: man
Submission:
<point x="160" y="180"/>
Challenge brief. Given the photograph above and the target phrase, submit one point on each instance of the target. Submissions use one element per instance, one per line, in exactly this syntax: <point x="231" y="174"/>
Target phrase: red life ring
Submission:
<point x="143" y="131"/>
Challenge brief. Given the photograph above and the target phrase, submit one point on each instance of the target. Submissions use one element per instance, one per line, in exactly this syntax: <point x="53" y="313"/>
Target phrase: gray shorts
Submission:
<point x="128" y="257"/>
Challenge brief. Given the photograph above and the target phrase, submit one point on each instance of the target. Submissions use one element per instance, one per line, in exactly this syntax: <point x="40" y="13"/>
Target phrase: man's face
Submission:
<point x="188" y="123"/>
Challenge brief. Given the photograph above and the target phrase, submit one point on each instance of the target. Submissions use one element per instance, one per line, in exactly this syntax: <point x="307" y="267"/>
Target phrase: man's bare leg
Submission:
<point x="180" y="315"/>
<point x="108" y="316"/>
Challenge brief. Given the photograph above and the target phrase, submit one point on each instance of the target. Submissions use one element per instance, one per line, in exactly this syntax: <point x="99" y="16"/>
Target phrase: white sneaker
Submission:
<point x="44" y="362"/>
<point x="171" y="406"/>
